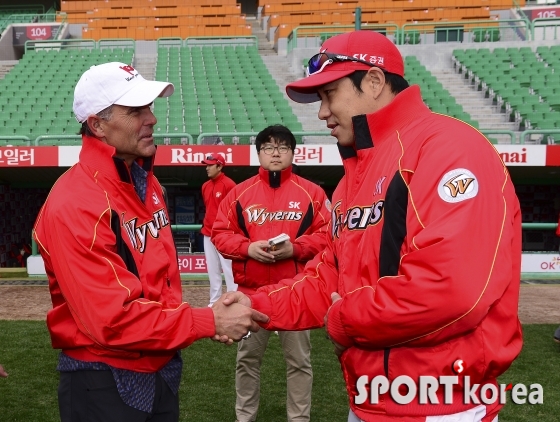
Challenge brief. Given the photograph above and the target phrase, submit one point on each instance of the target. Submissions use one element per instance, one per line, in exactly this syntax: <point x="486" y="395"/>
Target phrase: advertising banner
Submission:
<point x="192" y="264"/>
<point x="184" y="155"/>
<point x="540" y="263"/>
<point x="12" y="156"/>
<point x="246" y="155"/>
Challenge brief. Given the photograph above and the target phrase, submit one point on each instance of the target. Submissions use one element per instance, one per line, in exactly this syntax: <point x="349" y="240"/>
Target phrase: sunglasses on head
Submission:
<point x="319" y="61"/>
<point x="210" y="157"/>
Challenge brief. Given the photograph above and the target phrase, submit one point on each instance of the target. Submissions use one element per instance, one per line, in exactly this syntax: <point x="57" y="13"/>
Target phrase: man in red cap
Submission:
<point x="213" y="191"/>
<point x="420" y="278"/>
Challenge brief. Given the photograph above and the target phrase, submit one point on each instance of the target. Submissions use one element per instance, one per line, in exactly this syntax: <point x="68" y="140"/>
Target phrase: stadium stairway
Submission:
<point x="146" y="65"/>
<point x="265" y="47"/>
<point x="280" y="71"/>
<point x="6" y="66"/>
<point x="474" y="103"/>
<point x="306" y="113"/>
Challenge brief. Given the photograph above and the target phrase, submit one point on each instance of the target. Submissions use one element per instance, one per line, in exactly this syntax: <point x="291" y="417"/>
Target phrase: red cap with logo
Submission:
<point x="214" y="159"/>
<point x="366" y="46"/>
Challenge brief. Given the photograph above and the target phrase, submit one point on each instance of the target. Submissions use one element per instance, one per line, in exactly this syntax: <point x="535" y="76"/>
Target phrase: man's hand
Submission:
<point x="283" y="250"/>
<point x="227" y="299"/>
<point x="259" y="252"/>
<point x="234" y="321"/>
<point x="236" y="297"/>
<point x="3" y="373"/>
<point x="338" y="348"/>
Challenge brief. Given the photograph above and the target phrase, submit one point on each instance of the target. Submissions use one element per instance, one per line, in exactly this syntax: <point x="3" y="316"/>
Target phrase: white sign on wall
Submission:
<point x="540" y="263"/>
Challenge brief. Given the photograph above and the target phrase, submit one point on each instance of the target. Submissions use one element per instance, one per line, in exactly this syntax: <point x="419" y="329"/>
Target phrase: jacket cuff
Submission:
<point x="244" y="249"/>
<point x="203" y="322"/>
<point x="297" y="251"/>
<point x="335" y="329"/>
<point x="262" y="303"/>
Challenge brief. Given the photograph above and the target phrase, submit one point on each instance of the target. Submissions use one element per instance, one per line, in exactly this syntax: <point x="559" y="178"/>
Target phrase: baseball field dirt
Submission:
<point x="538" y="303"/>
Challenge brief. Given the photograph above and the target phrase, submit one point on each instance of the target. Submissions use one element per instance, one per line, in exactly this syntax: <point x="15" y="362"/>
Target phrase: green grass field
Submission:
<point x="208" y="392"/>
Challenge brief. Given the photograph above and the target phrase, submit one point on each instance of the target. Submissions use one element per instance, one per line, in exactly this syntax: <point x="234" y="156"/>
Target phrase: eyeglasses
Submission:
<point x="319" y="61"/>
<point x="210" y="157"/>
<point x="269" y="149"/>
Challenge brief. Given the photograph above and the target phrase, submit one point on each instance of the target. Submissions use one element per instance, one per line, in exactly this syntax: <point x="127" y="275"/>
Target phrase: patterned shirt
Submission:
<point x="137" y="389"/>
<point x="139" y="176"/>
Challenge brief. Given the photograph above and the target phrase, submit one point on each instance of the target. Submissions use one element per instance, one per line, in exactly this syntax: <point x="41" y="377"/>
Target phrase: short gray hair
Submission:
<point x="104" y="114"/>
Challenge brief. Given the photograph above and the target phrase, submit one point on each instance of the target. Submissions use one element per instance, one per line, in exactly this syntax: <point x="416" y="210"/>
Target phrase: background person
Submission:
<point x="213" y="191"/>
<point x="273" y="202"/>
<point x="105" y="237"/>
<point x="424" y="260"/>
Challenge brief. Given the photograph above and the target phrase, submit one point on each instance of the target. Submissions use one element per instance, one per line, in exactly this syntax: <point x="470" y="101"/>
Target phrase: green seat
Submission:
<point x="13" y="142"/>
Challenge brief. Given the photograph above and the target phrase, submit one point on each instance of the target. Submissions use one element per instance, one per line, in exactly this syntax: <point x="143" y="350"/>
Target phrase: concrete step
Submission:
<point x="306" y="113"/>
<point x="145" y="64"/>
<point x="474" y="103"/>
<point x="265" y="46"/>
<point x="6" y="66"/>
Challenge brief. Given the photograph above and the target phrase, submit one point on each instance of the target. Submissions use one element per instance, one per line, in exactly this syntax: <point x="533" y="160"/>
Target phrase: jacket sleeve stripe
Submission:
<point x="306" y="221"/>
<point x="116" y="276"/>
<point x="241" y="220"/>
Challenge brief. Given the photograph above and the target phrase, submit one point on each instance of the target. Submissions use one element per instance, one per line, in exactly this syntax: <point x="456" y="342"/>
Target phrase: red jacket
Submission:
<point x="263" y="207"/>
<point x="426" y="254"/>
<point x="213" y="191"/>
<point x="112" y="267"/>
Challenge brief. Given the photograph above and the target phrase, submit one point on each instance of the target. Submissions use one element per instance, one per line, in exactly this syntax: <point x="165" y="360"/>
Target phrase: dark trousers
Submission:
<point x="92" y="396"/>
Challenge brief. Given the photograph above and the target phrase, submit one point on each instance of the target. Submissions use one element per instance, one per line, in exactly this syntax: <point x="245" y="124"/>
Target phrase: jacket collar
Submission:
<point x="218" y="178"/>
<point x="275" y="178"/>
<point x="101" y="157"/>
<point x="406" y="107"/>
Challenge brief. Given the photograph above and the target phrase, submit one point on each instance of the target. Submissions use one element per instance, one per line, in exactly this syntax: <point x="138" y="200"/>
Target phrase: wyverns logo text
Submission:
<point x="260" y="216"/>
<point x="138" y="235"/>
<point x="424" y="391"/>
<point x="356" y="218"/>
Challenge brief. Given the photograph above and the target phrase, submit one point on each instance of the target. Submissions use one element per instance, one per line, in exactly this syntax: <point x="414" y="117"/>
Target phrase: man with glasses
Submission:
<point x="105" y="236"/>
<point x="421" y="275"/>
<point x="272" y="203"/>
<point x="213" y="192"/>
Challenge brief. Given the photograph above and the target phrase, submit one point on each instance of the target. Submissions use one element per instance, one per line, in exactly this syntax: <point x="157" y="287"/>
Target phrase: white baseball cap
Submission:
<point x="115" y="83"/>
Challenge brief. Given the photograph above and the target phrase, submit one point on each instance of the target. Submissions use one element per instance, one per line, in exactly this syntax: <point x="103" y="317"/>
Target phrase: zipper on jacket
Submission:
<point x="386" y="353"/>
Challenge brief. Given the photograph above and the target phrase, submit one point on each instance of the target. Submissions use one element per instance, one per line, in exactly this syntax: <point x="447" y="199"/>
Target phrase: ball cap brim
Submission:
<point x="370" y="46"/>
<point x="216" y="160"/>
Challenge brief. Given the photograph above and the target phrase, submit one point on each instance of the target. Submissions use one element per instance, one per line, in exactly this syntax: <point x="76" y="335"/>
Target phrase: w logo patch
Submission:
<point x="458" y="185"/>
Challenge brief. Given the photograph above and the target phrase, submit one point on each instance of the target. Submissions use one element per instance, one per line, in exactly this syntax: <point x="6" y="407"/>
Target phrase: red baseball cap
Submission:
<point x="367" y="46"/>
<point x="214" y="159"/>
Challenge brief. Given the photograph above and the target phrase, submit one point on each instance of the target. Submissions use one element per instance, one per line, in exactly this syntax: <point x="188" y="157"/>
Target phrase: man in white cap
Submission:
<point x="104" y="234"/>
<point x="418" y="286"/>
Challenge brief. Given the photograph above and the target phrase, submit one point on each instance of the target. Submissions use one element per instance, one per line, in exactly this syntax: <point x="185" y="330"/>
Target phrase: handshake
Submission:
<point x="234" y="318"/>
